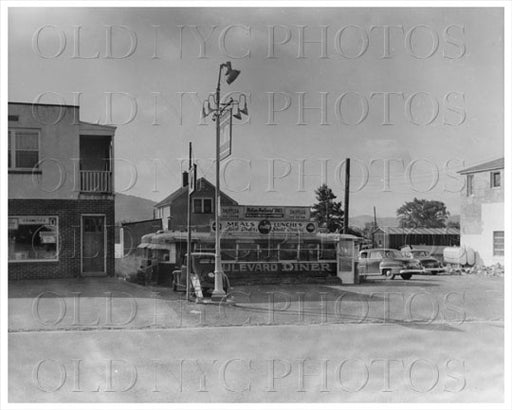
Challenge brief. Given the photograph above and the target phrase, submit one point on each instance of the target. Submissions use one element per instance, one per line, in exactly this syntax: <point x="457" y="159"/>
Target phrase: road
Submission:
<point x="268" y="346"/>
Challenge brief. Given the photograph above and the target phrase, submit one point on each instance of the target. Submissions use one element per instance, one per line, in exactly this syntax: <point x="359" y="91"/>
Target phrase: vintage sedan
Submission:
<point x="203" y="266"/>
<point x="387" y="262"/>
<point x="429" y="264"/>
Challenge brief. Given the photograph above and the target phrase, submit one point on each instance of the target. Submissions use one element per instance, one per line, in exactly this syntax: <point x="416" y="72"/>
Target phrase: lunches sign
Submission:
<point x="265" y="226"/>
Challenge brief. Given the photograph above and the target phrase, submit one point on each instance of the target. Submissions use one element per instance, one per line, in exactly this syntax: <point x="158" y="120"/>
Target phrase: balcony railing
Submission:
<point x="96" y="181"/>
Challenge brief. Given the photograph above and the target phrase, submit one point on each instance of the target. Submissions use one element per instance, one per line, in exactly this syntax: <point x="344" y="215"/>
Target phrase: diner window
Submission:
<point x="270" y="252"/>
<point x="469" y="185"/>
<point x="23" y="152"/>
<point x="33" y="238"/>
<point x="288" y="251"/>
<point x="203" y="205"/>
<point x="308" y="251"/>
<point x="495" y="179"/>
<point x="498" y="243"/>
<point x="248" y="252"/>
<point x="328" y="251"/>
<point x="228" y="251"/>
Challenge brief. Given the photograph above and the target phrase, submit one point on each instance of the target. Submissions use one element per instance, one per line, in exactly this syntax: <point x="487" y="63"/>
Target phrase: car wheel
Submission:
<point x="389" y="274"/>
<point x="406" y="276"/>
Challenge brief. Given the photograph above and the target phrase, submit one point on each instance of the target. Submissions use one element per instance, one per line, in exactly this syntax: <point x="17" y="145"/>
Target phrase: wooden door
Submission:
<point x="93" y="244"/>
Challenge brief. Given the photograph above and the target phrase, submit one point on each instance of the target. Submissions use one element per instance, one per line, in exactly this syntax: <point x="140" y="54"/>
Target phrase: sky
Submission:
<point x="411" y="96"/>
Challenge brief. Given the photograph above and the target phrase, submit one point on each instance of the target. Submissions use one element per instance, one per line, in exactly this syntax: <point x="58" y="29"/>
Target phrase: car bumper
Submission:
<point x="434" y="270"/>
<point x="411" y="271"/>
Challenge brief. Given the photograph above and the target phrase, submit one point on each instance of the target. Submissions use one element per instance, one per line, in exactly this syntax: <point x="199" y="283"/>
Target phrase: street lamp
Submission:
<point x="218" y="108"/>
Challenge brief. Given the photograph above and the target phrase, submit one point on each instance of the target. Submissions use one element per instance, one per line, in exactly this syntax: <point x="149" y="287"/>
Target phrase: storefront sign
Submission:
<point x="225" y="127"/>
<point x="311" y="267"/>
<point x="287" y="213"/>
<point x="267" y="212"/>
<point x="37" y="220"/>
<point x="231" y="212"/>
<point x="265" y="226"/>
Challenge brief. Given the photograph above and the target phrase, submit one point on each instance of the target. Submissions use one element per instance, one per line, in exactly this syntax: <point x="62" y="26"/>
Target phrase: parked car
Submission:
<point x="429" y="263"/>
<point x="387" y="262"/>
<point x="203" y="265"/>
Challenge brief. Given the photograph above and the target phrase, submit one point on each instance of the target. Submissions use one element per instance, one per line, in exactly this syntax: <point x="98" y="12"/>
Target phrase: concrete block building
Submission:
<point x="482" y="217"/>
<point x="61" y="193"/>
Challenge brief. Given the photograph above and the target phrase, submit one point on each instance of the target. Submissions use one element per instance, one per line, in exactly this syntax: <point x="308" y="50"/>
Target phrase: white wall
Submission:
<point x="493" y="219"/>
<point x="58" y="144"/>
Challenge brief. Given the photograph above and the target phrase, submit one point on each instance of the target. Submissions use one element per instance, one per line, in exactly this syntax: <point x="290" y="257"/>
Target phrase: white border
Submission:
<point x="4" y="5"/>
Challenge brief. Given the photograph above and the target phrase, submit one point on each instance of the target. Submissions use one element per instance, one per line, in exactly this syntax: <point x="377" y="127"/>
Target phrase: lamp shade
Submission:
<point x="231" y="75"/>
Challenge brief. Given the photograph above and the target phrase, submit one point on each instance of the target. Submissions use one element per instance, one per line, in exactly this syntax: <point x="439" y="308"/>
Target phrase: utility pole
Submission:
<point x="374" y="229"/>
<point x="347" y="193"/>
<point x="189" y="219"/>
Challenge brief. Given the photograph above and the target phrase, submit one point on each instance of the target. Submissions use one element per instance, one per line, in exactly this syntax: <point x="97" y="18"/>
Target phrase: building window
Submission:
<point x="203" y="205"/>
<point x="469" y="185"/>
<point x="498" y="243"/>
<point x="495" y="179"/>
<point x="33" y="238"/>
<point x="23" y="148"/>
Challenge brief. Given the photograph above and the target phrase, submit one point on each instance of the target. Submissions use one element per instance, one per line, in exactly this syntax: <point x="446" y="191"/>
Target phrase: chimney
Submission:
<point x="185" y="179"/>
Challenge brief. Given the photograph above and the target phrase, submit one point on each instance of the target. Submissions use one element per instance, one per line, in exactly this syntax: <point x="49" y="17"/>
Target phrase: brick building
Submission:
<point x="61" y="193"/>
<point x="482" y="218"/>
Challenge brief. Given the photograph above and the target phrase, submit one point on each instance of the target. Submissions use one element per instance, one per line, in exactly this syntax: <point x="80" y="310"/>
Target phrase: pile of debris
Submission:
<point x="493" y="270"/>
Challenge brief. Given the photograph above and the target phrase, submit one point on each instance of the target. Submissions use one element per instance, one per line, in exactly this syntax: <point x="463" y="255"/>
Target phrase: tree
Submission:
<point x="453" y="224"/>
<point x="327" y="212"/>
<point x="422" y="213"/>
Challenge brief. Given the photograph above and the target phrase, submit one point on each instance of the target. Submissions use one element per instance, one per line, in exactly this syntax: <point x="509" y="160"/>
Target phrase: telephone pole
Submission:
<point x="347" y="193"/>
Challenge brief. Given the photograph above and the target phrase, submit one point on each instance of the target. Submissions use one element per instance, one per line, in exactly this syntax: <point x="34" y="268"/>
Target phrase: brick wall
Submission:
<point x="68" y="212"/>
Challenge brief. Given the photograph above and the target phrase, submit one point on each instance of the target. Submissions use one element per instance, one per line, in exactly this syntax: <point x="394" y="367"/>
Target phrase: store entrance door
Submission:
<point x="93" y="245"/>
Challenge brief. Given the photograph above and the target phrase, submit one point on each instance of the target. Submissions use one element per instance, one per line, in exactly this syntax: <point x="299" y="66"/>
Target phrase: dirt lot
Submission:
<point x="430" y="339"/>
<point x="111" y="303"/>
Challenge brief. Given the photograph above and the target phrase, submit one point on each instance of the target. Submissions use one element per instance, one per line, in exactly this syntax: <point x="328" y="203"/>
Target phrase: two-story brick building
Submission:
<point x="61" y="193"/>
<point x="482" y="218"/>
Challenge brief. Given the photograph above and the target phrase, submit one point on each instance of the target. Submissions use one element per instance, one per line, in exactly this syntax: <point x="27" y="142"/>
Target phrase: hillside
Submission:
<point x="133" y="208"/>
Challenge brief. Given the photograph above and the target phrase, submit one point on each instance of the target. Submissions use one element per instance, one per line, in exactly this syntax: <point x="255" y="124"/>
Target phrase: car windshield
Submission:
<point x="391" y="254"/>
<point x="384" y="253"/>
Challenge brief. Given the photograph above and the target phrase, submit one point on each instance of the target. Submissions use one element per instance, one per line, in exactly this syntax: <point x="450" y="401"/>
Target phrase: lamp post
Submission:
<point x="218" y="109"/>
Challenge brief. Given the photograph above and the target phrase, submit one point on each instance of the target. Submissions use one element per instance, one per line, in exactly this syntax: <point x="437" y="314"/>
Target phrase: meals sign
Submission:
<point x="265" y="226"/>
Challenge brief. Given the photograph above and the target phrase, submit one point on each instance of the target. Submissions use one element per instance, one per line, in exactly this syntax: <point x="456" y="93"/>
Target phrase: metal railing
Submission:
<point x="96" y="181"/>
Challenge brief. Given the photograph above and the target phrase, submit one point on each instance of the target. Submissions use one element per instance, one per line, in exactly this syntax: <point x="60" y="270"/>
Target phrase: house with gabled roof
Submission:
<point x="173" y="209"/>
